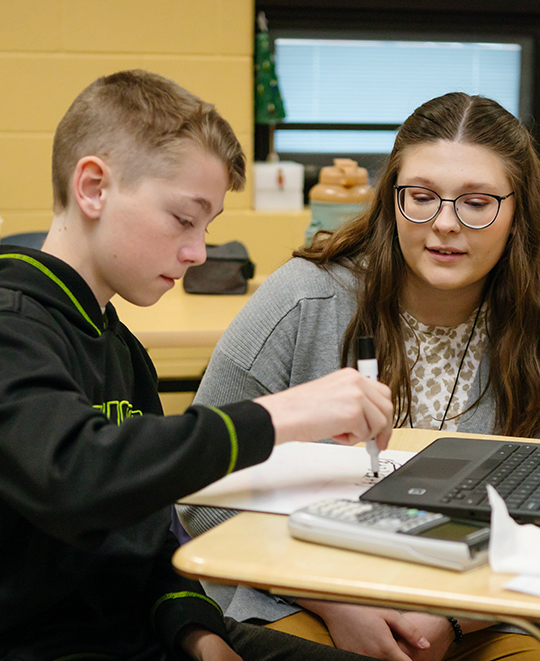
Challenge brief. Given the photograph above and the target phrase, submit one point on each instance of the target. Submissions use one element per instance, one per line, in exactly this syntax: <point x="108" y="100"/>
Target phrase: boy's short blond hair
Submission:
<point x="138" y="122"/>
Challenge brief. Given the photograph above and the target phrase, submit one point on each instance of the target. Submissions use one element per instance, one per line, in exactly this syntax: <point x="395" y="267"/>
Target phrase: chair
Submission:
<point x="25" y="239"/>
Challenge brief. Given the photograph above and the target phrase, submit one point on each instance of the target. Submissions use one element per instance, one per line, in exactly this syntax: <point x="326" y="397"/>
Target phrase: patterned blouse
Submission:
<point x="435" y="354"/>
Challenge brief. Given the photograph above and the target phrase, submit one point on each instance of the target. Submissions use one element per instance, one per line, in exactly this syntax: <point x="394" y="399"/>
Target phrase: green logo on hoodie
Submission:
<point x="117" y="411"/>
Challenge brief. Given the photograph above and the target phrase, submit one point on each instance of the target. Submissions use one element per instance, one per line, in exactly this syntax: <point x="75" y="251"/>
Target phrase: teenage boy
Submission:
<point x="88" y="464"/>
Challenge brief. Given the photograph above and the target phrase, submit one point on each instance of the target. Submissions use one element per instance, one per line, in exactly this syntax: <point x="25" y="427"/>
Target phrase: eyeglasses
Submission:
<point x="474" y="210"/>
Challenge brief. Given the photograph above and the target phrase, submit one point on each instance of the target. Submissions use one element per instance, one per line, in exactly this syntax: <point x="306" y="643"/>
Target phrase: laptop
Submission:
<point x="450" y="476"/>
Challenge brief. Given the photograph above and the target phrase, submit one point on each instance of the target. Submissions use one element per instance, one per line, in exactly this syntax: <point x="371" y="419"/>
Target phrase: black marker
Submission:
<point x="368" y="366"/>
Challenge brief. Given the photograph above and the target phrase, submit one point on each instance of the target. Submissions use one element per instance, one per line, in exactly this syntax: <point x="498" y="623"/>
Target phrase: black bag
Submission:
<point x="226" y="271"/>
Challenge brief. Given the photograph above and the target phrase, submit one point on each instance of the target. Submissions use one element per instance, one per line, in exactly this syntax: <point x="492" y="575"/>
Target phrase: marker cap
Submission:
<point x="366" y="348"/>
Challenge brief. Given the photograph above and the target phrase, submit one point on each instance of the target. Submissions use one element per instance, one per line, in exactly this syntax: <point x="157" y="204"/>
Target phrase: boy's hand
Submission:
<point x="203" y="645"/>
<point x="343" y="405"/>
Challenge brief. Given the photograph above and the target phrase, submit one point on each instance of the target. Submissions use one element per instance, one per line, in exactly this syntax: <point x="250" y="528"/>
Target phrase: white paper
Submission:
<point x="526" y="584"/>
<point x="514" y="548"/>
<point x="297" y="475"/>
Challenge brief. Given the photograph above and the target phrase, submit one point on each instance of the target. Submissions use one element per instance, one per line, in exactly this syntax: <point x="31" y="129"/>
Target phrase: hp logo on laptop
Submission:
<point x="416" y="491"/>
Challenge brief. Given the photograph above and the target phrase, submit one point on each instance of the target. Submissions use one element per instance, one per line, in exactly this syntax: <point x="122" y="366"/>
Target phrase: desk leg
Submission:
<point x="527" y="626"/>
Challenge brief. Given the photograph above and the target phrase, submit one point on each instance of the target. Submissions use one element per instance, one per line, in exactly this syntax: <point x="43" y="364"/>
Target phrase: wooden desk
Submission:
<point x="183" y="320"/>
<point x="256" y="550"/>
<point x="181" y="330"/>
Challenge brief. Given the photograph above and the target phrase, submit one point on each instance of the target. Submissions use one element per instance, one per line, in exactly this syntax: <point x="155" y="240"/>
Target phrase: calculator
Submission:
<point x="415" y="535"/>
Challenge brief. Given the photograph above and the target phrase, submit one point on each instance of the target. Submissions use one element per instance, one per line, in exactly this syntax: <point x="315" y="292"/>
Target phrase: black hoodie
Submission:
<point x="88" y="469"/>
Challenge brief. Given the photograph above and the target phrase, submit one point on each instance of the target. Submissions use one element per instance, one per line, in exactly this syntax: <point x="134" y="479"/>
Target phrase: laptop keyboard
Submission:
<point x="514" y="471"/>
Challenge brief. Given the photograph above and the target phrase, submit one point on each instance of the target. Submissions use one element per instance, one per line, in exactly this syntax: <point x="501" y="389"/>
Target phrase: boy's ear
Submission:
<point x="90" y="182"/>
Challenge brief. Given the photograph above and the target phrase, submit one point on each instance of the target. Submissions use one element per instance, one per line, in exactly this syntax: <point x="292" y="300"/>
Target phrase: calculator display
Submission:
<point x="453" y="531"/>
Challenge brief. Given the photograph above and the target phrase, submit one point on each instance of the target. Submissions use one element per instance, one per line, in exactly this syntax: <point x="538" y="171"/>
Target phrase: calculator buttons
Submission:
<point x="380" y="516"/>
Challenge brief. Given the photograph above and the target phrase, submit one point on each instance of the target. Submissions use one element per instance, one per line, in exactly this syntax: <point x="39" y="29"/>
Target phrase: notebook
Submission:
<point x="451" y="474"/>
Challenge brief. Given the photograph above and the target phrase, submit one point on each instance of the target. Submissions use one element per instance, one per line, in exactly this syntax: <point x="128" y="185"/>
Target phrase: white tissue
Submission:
<point x="513" y="548"/>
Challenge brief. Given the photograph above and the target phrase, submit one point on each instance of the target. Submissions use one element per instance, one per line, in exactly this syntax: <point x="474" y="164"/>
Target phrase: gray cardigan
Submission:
<point x="289" y="332"/>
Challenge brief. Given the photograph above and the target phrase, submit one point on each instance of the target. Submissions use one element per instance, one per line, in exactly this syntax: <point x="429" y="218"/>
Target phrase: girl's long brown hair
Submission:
<point x="369" y="247"/>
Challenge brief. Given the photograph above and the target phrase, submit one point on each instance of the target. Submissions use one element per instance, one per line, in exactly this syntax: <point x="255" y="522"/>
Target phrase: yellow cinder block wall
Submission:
<point x="50" y="50"/>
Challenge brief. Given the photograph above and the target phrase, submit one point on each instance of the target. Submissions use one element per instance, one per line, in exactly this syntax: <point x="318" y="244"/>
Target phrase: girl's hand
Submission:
<point x="437" y="630"/>
<point x="369" y="631"/>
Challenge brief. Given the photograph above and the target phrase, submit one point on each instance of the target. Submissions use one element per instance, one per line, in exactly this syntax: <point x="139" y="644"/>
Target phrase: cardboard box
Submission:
<point x="279" y="185"/>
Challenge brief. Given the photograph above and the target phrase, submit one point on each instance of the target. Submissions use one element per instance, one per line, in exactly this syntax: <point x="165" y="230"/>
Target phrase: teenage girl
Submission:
<point x="444" y="272"/>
